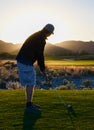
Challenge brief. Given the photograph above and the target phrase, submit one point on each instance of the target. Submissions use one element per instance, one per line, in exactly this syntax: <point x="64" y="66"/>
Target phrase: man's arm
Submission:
<point x="40" y="58"/>
<point x="40" y="61"/>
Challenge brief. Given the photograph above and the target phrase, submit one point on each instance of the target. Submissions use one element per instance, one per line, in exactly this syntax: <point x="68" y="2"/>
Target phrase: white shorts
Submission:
<point x="27" y="74"/>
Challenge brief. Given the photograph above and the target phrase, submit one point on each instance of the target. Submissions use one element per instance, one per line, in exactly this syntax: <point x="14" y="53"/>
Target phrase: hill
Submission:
<point x="59" y="49"/>
<point x="8" y="47"/>
<point x="50" y="49"/>
<point x="53" y="50"/>
<point x="78" y="46"/>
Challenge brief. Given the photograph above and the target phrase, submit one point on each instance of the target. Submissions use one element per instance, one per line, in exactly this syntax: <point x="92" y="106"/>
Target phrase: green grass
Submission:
<point x="70" y="62"/>
<point x="59" y="61"/>
<point x="54" y="114"/>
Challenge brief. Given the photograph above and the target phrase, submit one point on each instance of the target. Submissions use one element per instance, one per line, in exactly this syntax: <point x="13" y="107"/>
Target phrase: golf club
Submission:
<point x="71" y="113"/>
<point x="67" y="106"/>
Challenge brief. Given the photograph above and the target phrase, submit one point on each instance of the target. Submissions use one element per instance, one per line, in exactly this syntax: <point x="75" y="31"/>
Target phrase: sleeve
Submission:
<point x="40" y="57"/>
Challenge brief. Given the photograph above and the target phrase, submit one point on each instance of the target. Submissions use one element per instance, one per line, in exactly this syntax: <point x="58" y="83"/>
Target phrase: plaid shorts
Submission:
<point x="27" y="74"/>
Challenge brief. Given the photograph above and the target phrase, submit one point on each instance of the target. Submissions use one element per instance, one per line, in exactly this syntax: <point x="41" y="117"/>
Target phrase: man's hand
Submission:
<point x="43" y="73"/>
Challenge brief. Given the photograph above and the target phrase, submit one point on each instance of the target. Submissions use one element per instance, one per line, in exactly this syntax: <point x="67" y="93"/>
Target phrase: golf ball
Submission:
<point x="69" y="106"/>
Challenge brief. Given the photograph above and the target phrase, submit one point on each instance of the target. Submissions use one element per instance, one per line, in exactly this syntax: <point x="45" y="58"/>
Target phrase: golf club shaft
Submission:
<point x="68" y="107"/>
<point x="59" y="96"/>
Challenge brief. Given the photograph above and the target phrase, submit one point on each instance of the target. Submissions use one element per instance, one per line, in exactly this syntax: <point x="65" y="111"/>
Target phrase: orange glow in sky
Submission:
<point x="73" y="19"/>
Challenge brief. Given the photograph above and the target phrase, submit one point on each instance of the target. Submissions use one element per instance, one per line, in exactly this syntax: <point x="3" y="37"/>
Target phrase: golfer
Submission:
<point x="31" y="51"/>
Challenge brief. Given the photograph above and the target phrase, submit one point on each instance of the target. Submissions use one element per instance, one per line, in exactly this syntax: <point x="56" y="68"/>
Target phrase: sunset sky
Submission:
<point x="73" y="19"/>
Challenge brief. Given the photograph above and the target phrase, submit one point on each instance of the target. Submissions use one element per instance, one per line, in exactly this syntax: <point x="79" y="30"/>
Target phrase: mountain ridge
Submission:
<point x="65" y="47"/>
<point x="77" y="46"/>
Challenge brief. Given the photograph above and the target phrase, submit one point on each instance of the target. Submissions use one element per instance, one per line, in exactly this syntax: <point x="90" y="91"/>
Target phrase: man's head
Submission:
<point x="48" y="29"/>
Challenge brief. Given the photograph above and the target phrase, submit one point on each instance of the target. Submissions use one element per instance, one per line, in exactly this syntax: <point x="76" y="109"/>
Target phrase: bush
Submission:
<point x="86" y="84"/>
<point x="70" y="86"/>
<point x="61" y="88"/>
<point x="13" y="85"/>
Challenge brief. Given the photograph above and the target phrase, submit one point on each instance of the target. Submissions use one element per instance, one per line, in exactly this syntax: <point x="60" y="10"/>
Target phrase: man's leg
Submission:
<point x="29" y="100"/>
<point x="27" y="77"/>
<point x="29" y="93"/>
<point x="29" y="97"/>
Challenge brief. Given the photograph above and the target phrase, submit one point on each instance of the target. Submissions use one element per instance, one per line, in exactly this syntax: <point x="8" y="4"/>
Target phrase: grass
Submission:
<point x="54" y="115"/>
<point x="70" y="62"/>
<point x="58" y="61"/>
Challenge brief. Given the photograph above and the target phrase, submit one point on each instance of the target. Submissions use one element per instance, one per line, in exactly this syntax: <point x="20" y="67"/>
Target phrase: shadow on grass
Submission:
<point x="30" y="120"/>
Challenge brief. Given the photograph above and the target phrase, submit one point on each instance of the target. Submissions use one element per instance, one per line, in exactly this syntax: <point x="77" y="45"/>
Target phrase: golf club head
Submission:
<point x="71" y="110"/>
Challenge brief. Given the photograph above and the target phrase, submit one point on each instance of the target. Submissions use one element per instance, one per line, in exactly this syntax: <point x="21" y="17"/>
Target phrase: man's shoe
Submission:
<point x="33" y="109"/>
<point x="35" y="105"/>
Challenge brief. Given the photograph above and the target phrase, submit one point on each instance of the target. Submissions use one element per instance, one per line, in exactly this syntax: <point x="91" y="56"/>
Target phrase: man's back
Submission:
<point x="32" y="48"/>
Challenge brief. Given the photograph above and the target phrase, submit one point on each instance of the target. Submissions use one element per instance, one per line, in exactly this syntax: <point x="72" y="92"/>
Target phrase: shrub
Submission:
<point x="61" y="87"/>
<point x="71" y="86"/>
<point x="13" y="85"/>
<point x="86" y="84"/>
<point x="65" y="81"/>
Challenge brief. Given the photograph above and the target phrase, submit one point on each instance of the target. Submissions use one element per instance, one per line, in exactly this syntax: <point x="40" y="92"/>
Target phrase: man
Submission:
<point x="31" y="51"/>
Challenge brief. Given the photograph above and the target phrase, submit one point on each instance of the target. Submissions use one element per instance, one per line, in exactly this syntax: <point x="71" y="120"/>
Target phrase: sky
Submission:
<point x="72" y="19"/>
